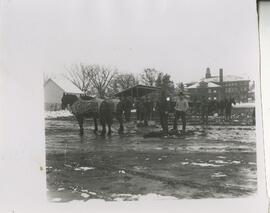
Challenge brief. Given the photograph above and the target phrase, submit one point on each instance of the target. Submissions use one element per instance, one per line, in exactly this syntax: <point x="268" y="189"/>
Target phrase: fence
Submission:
<point x="240" y="116"/>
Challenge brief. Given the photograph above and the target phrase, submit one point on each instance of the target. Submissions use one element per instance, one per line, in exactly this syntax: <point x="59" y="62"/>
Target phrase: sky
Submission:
<point x="178" y="37"/>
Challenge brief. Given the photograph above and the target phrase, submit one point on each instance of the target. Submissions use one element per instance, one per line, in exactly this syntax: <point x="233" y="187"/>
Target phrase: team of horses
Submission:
<point x="105" y="110"/>
<point x="102" y="109"/>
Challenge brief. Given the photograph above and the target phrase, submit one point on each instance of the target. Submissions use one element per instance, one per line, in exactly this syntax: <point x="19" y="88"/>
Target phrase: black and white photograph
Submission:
<point x="151" y="105"/>
<point x="134" y="106"/>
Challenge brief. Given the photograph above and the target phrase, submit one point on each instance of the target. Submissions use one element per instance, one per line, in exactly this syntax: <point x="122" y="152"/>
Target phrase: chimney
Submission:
<point x="220" y="75"/>
<point x="208" y="73"/>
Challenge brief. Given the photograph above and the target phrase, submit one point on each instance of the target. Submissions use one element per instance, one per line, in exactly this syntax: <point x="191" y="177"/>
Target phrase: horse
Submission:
<point x="95" y="108"/>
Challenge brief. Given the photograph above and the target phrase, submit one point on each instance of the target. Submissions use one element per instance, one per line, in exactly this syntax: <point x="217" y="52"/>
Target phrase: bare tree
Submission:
<point x="126" y="81"/>
<point x="79" y="76"/>
<point x="149" y="76"/>
<point x="113" y="87"/>
<point x="180" y="87"/>
<point x="121" y="82"/>
<point x="100" y="78"/>
<point x="165" y="83"/>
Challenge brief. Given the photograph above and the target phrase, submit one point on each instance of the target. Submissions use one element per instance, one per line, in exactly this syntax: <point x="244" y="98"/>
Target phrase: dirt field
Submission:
<point x="217" y="162"/>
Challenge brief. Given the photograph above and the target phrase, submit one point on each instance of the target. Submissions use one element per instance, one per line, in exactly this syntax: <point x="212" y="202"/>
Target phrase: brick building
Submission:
<point x="220" y="87"/>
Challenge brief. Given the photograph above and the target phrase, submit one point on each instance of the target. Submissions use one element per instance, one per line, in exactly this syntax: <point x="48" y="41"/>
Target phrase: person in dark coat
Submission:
<point x="140" y="110"/>
<point x="119" y="114"/>
<point x="228" y="108"/>
<point x="127" y="108"/>
<point x="221" y="107"/>
<point x="148" y="107"/>
<point x="136" y="103"/>
<point x="163" y="109"/>
<point x="204" y="108"/>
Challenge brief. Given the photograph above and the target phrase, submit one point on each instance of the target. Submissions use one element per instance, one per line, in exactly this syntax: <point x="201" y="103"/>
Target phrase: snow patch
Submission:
<point x="92" y="193"/>
<point x="221" y="157"/>
<point x="152" y="196"/>
<point x="235" y="162"/>
<point x="205" y="164"/>
<point x="218" y="161"/>
<point x="84" y="168"/>
<point x="218" y="175"/>
<point x="185" y="163"/>
<point x="244" y="105"/>
<point x="85" y="195"/>
<point x="158" y="148"/>
<point x="148" y="197"/>
<point x="57" y="199"/>
<point x="57" y="114"/>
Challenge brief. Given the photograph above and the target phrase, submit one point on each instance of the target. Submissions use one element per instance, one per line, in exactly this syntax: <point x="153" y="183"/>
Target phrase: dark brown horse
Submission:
<point x="103" y="110"/>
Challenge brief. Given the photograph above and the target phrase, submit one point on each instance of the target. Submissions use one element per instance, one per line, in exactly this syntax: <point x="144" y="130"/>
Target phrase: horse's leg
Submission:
<point x="109" y="121"/>
<point x="230" y="115"/>
<point x="103" y="124"/>
<point x="109" y="128"/>
<point x="96" y="124"/>
<point x="80" y="121"/>
<point x="120" y="120"/>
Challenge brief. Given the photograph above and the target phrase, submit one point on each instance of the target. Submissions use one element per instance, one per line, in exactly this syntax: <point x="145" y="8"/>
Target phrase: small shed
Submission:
<point x="137" y="91"/>
<point x="54" y="89"/>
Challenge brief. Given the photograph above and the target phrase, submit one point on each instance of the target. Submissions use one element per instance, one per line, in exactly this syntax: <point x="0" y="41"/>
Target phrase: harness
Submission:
<point x="90" y="106"/>
<point x="85" y="106"/>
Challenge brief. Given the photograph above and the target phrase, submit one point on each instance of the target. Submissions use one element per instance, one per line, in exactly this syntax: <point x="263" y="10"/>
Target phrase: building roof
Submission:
<point x="209" y="85"/>
<point x="137" y="91"/>
<point x="225" y="78"/>
<point x="66" y="85"/>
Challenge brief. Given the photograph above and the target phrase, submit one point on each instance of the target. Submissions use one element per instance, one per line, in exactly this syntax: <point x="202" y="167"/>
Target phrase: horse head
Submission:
<point x="68" y="99"/>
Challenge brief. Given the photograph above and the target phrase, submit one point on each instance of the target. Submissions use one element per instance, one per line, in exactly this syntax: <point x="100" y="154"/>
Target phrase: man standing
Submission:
<point x="204" y="109"/>
<point x="119" y="114"/>
<point x="136" y="103"/>
<point x="147" y="108"/>
<point x="163" y="109"/>
<point x="127" y="108"/>
<point x="228" y="108"/>
<point x="181" y="108"/>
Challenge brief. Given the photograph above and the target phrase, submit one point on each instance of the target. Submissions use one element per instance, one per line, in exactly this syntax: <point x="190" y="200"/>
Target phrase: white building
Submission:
<point x="54" y="89"/>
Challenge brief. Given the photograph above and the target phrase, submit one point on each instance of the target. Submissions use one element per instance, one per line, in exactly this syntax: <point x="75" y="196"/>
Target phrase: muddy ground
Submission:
<point x="212" y="162"/>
